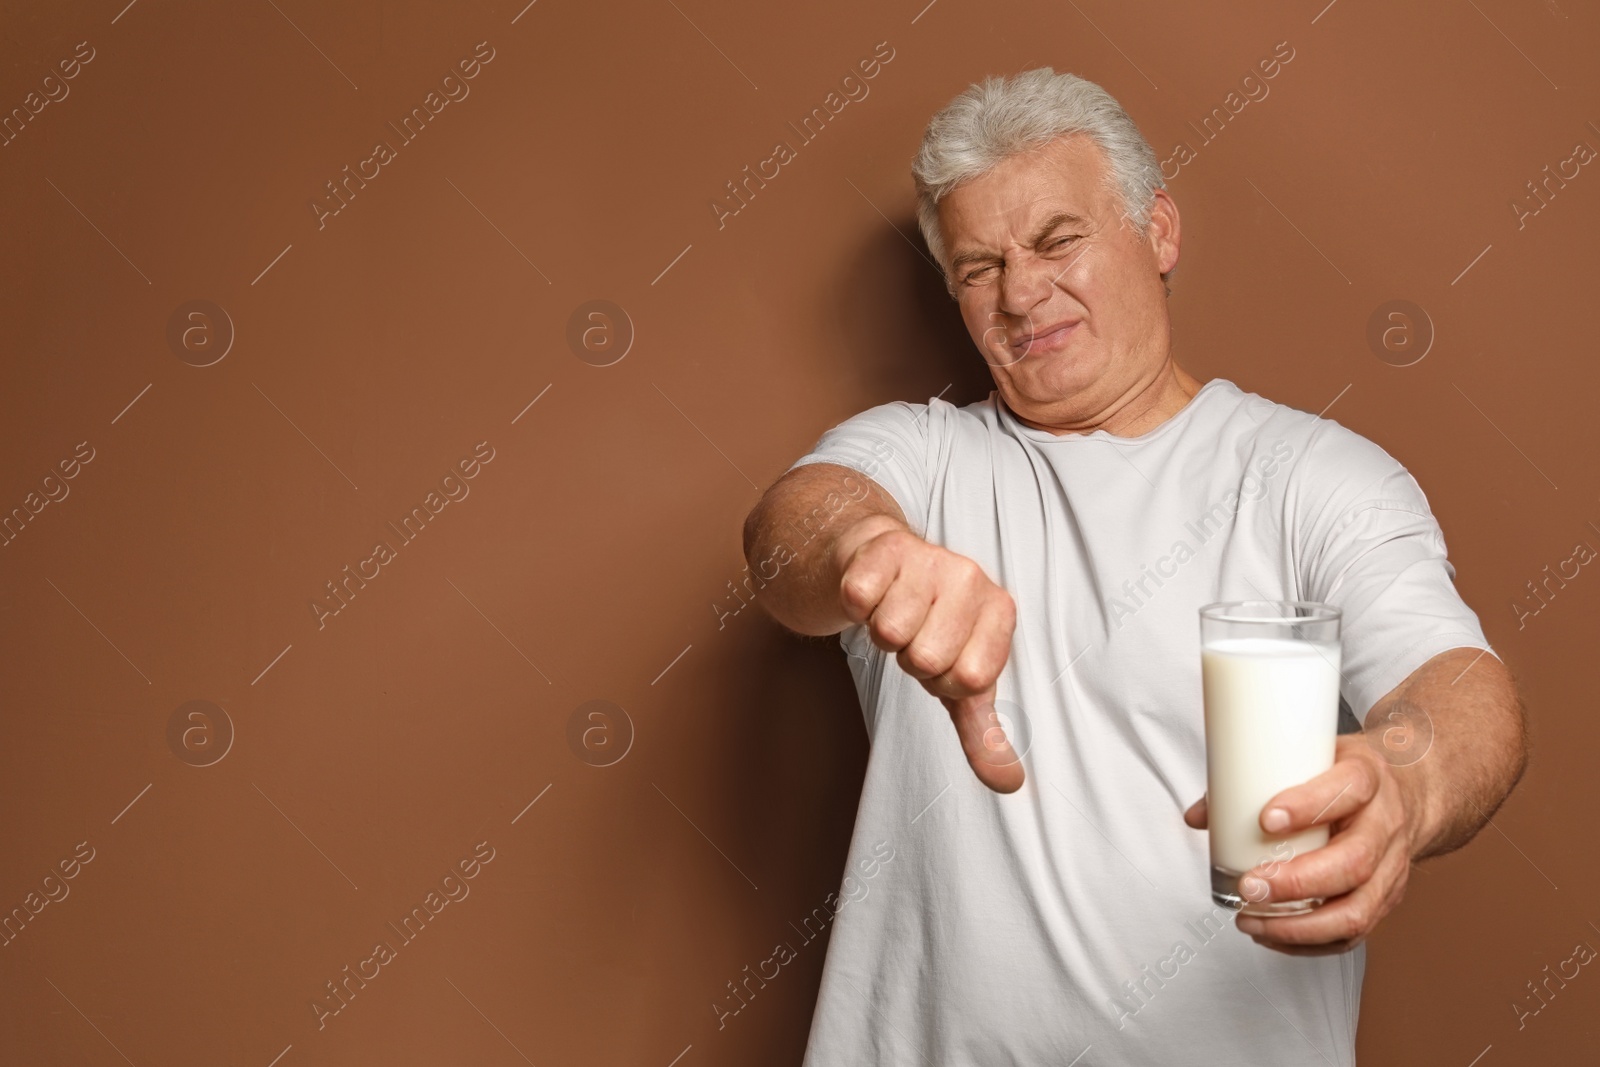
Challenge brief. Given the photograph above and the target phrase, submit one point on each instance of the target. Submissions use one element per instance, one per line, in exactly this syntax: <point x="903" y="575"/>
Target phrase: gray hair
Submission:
<point x="991" y="121"/>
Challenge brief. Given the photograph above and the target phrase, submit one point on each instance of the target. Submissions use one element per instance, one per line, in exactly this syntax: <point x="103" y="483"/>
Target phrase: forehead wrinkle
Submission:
<point x="1014" y="208"/>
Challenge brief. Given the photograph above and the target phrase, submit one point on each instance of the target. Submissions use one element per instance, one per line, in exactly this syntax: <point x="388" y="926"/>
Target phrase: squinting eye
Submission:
<point x="977" y="274"/>
<point x="1060" y="241"/>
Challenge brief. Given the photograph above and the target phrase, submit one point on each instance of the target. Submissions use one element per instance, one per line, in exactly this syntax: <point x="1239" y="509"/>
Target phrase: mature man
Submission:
<point x="1037" y="560"/>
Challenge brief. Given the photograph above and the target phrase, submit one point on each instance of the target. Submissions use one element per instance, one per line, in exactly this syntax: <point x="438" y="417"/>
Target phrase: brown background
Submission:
<point x="371" y="755"/>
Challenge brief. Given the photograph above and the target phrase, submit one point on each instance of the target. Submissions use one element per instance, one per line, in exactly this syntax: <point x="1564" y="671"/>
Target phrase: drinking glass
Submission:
<point x="1270" y="674"/>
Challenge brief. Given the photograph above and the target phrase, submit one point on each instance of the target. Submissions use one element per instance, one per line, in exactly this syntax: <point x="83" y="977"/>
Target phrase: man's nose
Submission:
<point x="1025" y="285"/>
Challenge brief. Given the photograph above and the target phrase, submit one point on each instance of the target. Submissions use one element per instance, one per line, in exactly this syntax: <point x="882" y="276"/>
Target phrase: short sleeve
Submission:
<point x="888" y="444"/>
<point x="1366" y="542"/>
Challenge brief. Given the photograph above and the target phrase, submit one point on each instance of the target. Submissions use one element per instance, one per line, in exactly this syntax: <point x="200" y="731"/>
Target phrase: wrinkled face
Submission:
<point x="1062" y="296"/>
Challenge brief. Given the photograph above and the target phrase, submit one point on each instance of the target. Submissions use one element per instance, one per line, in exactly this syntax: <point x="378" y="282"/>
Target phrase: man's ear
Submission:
<point x="1164" y="232"/>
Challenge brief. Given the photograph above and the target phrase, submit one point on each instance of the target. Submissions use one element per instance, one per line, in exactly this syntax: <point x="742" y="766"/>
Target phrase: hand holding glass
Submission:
<point x="1270" y="673"/>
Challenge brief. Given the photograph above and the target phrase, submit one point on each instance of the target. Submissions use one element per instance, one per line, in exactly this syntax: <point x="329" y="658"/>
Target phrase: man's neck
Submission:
<point x="1160" y="400"/>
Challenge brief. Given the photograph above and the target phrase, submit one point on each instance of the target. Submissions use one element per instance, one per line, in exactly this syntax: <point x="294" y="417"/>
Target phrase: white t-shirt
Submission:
<point x="1076" y="914"/>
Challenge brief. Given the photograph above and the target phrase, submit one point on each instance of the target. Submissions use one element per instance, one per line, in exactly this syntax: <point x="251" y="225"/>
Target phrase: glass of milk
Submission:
<point x="1270" y="672"/>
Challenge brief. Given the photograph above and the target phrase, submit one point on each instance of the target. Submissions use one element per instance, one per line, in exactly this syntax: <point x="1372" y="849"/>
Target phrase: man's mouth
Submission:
<point x="1047" y="339"/>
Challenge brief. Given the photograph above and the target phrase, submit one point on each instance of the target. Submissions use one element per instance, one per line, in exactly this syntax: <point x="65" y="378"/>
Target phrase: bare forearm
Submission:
<point x="793" y="538"/>
<point x="1456" y="734"/>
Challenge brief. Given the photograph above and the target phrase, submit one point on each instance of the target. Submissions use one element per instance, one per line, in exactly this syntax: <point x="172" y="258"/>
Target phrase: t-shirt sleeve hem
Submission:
<point x="1366" y="692"/>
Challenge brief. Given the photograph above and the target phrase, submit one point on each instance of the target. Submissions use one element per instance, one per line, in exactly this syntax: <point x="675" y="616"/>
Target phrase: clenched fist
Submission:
<point x="947" y="623"/>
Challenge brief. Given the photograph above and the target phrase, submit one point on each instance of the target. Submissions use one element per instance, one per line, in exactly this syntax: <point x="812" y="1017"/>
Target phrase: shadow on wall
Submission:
<point x="902" y="331"/>
<point x="806" y="745"/>
<point x="798" y="738"/>
<point x="798" y="741"/>
<point x="789" y="750"/>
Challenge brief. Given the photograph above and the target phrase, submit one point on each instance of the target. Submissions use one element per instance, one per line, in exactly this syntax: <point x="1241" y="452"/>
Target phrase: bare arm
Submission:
<point x="806" y="518"/>
<point x="845" y="555"/>
<point x="1457" y="736"/>
<point x="1437" y="756"/>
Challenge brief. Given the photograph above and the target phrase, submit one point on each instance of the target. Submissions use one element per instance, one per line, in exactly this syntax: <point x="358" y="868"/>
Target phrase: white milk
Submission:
<point x="1272" y="720"/>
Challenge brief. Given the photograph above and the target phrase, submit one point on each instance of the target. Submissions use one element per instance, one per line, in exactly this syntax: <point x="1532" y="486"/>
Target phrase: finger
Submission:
<point x="984" y="741"/>
<point x="985" y="647"/>
<point x="967" y="690"/>
<point x="867" y="577"/>
<point x="902" y="610"/>
<point x="1337" y="925"/>
<point x="937" y="649"/>
<point x="1198" y="814"/>
<point x="1349" y="860"/>
<point x="1332" y="948"/>
<point x="1346" y="787"/>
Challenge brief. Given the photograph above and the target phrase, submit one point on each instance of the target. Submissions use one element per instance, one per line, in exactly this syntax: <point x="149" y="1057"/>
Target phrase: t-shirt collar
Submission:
<point x="1023" y="430"/>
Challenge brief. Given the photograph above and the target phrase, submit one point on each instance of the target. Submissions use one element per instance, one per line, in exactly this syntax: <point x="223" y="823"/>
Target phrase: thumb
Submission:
<point x="988" y="750"/>
<point x="1198" y="814"/>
